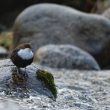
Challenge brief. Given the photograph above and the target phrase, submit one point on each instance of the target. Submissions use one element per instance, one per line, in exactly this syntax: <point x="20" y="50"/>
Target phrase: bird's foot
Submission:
<point x="18" y="77"/>
<point x="25" y="75"/>
<point x="22" y="72"/>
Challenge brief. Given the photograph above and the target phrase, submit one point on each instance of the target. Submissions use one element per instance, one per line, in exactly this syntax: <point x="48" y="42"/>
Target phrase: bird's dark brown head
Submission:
<point x="24" y="45"/>
<point x="22" y="55"/>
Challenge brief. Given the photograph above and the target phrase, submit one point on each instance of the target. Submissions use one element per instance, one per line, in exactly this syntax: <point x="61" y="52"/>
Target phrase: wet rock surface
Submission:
<point x="3" y="52"/>
<point x="102" y="6"/>
<point x="65" y="56"/>
<point x="20" y="85"/>
<point x="107" y="13"/>
<point x="54" y="24"/>
<point x="9" y="9"/>
<point x="77" y="90"/>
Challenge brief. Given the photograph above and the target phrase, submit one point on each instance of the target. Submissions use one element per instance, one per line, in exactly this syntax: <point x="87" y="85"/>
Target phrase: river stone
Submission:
<point x="77" y="90"/>
<point x="101" y="6"/>
<point x="65" y="56"/>
<point x="107" y="13"/>
<point x="3" y="52"/>
<point x="21" y="85"/>
<point x="54" y="24"/>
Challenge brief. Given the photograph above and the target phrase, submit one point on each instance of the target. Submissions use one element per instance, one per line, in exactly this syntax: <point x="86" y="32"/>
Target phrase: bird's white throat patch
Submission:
<point x="25" y="54"/>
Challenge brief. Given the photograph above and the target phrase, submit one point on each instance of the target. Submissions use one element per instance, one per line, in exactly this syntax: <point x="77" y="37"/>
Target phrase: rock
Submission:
<point x="107" y="13"/>
<point x="86" y="5"/>
<point x="54" y="24"/>
<point x="10" y="5"/>
<point x="77" y="90"/>
<point x="7" y="104"/>
<point x="83" y="90"/>
<point x="26" y="83"/>
<point x="65" y="56"/>
<point x="3" y="52"/>
<point x="102" y="5"/>
<point x="9" y="9"/>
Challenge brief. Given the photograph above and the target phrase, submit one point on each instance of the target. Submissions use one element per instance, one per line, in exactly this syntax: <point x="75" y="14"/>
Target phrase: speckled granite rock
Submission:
<point x="3" y="52"/>
<point x="107" y="13"/>
<point x="102" y="5"/>
<point x="65" y="56"/>
<point x="20" y="85"/>
<point x="77" y="90"/>
<point x="54" y="24"/>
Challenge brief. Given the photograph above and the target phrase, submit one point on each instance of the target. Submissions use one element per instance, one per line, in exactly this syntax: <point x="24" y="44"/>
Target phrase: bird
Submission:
<point x="22" y="56"/>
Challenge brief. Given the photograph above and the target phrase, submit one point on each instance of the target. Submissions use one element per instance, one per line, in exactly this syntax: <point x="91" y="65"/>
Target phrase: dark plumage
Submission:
<point x="18" y="61"/>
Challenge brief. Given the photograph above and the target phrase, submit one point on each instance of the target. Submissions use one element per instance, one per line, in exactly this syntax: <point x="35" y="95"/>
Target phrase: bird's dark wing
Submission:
<point x="14" y="53"/>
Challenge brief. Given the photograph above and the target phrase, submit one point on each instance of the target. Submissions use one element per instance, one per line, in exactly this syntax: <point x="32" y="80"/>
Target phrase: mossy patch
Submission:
<point x="48" y="80"/>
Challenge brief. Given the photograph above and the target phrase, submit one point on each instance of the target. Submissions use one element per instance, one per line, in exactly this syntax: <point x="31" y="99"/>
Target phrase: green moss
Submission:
<point x="48" y="80"/>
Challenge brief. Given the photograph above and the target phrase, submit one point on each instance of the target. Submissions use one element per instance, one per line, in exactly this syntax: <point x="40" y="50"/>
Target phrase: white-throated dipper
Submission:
<point x="22" y="55"/>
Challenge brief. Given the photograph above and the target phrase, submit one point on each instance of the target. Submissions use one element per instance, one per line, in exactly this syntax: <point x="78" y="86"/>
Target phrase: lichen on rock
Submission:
<point x="48" y="80"/>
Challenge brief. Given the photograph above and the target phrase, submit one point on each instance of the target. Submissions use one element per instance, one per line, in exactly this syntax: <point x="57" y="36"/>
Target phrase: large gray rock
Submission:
<point x="107" y="13"/>
<point x="77" y="90"/>
<point x="3" y="52"/>
<point x="102" y="5"/>
<point x="65" y="56"/>
<point x="54" y="24"/>
<point x="25" y="84"/>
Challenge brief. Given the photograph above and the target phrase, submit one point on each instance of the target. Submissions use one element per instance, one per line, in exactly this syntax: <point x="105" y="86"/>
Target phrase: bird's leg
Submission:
<point x="18" y="70"/>
<point x="25" y="73"/>
<point x="25" y="70"/>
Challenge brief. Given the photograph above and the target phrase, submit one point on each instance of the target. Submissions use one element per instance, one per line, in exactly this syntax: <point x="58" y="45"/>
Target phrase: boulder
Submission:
<point x="9" y="9"/>
<point x="107" y="13"/>
<point x="9" y="5"/>
<point x="65" y="56"/>
<point x="77" y="90"/>
<point x="26" y="83"/>
<point x="3" y="52"/>
<point x="102" y="5"/>
<point x="54" y="24"/>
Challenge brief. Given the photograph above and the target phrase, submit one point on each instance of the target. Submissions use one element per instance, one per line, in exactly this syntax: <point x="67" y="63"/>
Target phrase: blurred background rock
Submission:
<point x="10" y="9"/>
<point x="88" y="36"/>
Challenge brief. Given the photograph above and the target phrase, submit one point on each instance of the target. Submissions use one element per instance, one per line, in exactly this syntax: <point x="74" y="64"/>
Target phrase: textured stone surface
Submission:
<point x="3" y="52"/>
<point x="65" y="56"/>
<point x="77" y="90"/>
<point x="102" y="5"/>
<point x="54" y="24"/>
<point x="107" y="13"/>
<point x="9" y="9"/>
<point x="25" y="86"/>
